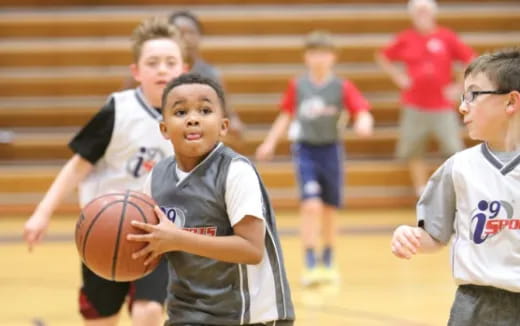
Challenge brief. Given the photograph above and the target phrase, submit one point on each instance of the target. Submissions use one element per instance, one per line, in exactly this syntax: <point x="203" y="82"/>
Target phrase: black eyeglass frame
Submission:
<point x="474" y="94"/>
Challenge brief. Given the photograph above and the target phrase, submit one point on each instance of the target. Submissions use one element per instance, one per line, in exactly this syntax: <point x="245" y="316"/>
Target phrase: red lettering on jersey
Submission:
<point x="148" y="165"/>
<point x="203" y="230"/>
<point x="495" y="226"/>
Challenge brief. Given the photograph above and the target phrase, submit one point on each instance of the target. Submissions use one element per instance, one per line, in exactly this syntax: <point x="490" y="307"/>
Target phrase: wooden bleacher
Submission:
<point x="58" y="63"/>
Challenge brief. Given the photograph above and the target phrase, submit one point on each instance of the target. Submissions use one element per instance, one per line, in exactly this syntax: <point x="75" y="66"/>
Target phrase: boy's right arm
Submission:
<point x="280" y="126"/>
<point x="89" y="144"/>
<point x="398" y="76"/>
<point x="74" y="171"/>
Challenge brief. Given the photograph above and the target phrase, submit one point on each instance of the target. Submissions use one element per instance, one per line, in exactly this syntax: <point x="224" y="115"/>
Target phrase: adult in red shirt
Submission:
<point x="427" y="86"/>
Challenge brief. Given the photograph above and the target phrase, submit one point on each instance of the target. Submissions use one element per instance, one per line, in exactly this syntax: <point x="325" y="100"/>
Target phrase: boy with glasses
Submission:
<point x="475" y="197"/>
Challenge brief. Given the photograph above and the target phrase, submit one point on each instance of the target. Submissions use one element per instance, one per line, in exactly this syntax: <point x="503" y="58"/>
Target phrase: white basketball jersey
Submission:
<point x="486" y="248"/>
<point x="135" y="147"/>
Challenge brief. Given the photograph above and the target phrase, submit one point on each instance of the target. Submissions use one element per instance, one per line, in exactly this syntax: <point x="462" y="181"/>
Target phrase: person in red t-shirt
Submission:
<point x="427" y="86"/>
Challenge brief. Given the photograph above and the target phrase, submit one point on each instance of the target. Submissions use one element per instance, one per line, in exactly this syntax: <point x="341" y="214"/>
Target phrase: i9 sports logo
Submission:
<point x="175" y="215"/>
<point x="143" y="161"/>
<point x="489" y="218"/>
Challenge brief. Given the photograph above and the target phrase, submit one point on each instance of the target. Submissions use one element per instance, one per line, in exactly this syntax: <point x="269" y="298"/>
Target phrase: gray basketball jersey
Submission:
<point x="206" y="291"/>
<point x="476" y="196"/>
<point x="318" y="111"/>
<point x="136" y="145"/>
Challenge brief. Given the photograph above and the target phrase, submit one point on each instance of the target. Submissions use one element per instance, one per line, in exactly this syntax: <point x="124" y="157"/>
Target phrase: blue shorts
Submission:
<point x="320" y="171"/>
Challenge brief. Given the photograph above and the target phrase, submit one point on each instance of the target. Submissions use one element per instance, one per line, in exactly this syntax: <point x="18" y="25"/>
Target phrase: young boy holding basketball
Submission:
<point x="474" y="196"/>
<point x="114" y="152"/>
<point x="217" y="227"/>
<point x="315" y="103"/>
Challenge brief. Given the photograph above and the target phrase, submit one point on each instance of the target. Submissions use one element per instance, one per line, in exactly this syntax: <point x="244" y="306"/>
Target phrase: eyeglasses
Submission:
<point x="470" y="96"/>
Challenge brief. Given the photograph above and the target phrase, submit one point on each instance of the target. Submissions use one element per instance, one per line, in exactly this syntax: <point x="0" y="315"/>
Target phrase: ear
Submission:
<point x="513" y="102"/>
<point x="135" y="72"/>
<point x="224" y="127"/>
<point x="164" y="130"/>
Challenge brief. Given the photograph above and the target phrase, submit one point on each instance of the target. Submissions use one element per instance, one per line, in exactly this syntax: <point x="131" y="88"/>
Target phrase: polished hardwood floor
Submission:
<point x="40" y="288"/>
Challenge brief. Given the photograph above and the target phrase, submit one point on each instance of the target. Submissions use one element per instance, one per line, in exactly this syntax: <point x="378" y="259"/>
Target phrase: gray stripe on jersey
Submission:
<point x="246" y="304"/>
<point x="511" y="165"/>
<point x="490" y="157"/>
<point x="272" y="243"/>
<point x="504" y="161"/>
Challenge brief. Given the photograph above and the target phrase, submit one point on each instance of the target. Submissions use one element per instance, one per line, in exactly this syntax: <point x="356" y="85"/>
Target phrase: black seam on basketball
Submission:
<point x="116" y="249"/>
<point x="146" y="267"/>
<point x="91" y="225"/>
<point x="140" y="211"/>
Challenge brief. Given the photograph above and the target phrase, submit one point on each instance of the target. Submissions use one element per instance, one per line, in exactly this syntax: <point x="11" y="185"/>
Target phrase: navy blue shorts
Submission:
<point x="319" y="170"/>
<point x="103" y="298"/>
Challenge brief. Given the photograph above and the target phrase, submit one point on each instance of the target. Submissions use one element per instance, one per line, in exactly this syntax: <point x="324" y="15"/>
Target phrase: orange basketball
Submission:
<point x="101" y="235"/>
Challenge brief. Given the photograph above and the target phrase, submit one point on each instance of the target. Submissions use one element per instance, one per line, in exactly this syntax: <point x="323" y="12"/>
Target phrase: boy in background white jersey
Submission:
<point x="475" y="196"/>
<point x="114" y="152"/>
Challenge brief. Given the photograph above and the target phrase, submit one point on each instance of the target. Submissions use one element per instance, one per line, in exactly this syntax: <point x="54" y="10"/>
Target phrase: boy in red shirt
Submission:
<point x="315" y="104"/>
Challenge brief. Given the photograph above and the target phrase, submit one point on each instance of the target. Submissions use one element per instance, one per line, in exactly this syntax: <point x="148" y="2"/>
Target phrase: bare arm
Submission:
<point x="246" y="246"/>
<point x="398" y="76"/>
<point x="74" y="171"/>
<point x="280" y="126"/>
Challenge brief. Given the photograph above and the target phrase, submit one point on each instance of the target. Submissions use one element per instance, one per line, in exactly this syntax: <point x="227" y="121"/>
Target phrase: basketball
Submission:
<point x="101" y="232"/>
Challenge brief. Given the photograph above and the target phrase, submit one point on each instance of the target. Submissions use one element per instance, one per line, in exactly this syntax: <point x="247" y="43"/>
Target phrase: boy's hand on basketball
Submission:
<point x="406" y="241"/>
<point x="34" y="229"/>
<point x="264" y="152"/>
<point x="160" y="237"/>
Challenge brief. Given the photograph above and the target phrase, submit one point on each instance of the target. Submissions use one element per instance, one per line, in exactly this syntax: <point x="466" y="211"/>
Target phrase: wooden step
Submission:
<point x="268" y="20"/>
<point x="368" y="184"/>
<point x="252" y="109"/>
<point x="217" y="50"/>
<point x="51" y="145"/>
<point x="102" y="81"/>
<point x="147" y="3"/>
<point x="23" y="178"/>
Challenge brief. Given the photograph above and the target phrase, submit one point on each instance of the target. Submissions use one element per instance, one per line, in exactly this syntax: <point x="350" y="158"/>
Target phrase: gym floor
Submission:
<point x="40" y="288"/>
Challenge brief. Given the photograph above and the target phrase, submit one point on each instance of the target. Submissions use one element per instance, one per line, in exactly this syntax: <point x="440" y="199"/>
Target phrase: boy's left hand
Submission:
<point x="364" y="124"/>
<point x="160" y="237"/>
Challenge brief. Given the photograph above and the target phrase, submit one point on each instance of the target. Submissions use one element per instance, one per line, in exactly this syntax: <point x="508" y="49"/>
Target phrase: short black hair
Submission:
<point x="188" y="15"/>
<point x="194" y="78"/>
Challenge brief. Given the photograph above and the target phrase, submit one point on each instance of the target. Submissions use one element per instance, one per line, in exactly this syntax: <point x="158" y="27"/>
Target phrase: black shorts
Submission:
<point x="103" y="298"/>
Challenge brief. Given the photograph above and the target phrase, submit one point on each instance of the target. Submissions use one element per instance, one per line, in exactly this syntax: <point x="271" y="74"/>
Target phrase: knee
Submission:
<point x="312" y="206"/>
<point x="147" y="308"/>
